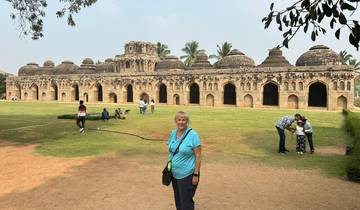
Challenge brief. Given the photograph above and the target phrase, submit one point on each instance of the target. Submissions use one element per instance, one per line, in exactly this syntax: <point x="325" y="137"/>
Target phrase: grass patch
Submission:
<point x="227" y="134"/>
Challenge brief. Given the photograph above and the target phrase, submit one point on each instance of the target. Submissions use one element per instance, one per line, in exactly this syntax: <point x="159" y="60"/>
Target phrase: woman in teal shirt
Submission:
<point x="185" y="165"/>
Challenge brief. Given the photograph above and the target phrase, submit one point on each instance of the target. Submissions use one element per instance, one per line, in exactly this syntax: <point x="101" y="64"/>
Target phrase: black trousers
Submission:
<point x="310" y="140"/>
<point x="184" y="192"/>
<point x="281" y="133"/>
<point x="82" y="121"/>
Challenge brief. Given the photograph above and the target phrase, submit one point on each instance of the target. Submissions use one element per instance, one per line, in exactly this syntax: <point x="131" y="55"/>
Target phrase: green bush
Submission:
<point x="357" y="102"/>
<point x="353" y="167"/>
<point x="89" y="116"/>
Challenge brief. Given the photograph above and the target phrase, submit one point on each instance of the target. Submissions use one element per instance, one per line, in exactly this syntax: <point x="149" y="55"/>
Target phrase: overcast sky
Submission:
<point x="103" y="29"/>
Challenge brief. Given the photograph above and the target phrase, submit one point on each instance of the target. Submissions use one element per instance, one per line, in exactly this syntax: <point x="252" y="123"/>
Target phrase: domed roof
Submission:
<point x="201" y="61"/>
<point x="275" y="59"/>
<point x="29" y="69"/>
<point x="235" y="59"/>
<point x="106" y="67"/>
<point x="66" y="67"/>
<point x="319" y="55"/>
<point x="88" y="61"/>
<point x="170" y="62"/>
<point x="49" y="64"/>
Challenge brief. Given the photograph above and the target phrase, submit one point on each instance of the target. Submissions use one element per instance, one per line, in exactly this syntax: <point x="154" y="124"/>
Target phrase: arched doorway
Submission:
<point x="18" y="91"/>
<point x="248" y="101"/>
<point x="25" y="96"/>
<point x="230" y="94"/>
<point x="129" y="93"/>
<point x="341" y="102"/>
<point x="209" y="100"/>
<point x="75" y="92"/>
<point x="54" y="92"/>
<point x="176" y="99"/>
<point x="43" y="96"/>
<point x="145" y="97"/>
<point x="86" y="97"/>
<point x="194" y="94"/>
<point x="293" y="102"/>
<point x="113" y="97"/>
<point x="271" y="94"/>
<point x="317" y="95"/>
<point x="34" y="92"/>
<point x="162" y="93"/>
<point x="99" y="92"/>
<point x="63" y="96"/>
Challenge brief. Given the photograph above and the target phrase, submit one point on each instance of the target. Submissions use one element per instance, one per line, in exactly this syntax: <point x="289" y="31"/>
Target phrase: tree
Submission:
<point x="222" y="50"/>
<point x="307" y="14"/>
<point x="345" y="57"/>
<point x="30" y="14"/>
<point x="2" y="84"/>
<point x="162" y="50"/>
<point x="191" y="49"/>
<point x="348" y="59"/>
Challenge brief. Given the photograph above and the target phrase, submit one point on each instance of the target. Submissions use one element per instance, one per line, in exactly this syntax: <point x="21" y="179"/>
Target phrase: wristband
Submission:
<point x="194" y="174"/>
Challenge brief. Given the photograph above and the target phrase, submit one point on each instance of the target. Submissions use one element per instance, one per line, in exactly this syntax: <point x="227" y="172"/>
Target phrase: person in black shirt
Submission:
<point x="81" y="116"/>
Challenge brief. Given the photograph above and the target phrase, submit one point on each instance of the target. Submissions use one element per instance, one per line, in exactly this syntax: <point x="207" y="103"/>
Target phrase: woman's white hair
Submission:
<point x="182" y="114"/>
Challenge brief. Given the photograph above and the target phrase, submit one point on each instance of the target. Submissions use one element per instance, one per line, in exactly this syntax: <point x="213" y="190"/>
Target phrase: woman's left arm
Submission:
<point x="197" y="152"/>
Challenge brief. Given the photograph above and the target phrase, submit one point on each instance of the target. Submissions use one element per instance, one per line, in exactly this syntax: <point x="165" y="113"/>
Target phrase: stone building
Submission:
<point x="318" y="80"/>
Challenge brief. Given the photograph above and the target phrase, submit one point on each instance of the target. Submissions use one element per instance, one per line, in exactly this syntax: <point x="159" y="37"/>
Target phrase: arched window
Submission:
<point x="162" y="93"/>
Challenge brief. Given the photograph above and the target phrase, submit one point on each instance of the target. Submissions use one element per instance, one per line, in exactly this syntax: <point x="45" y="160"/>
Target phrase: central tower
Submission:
<point x="139" y="57"/>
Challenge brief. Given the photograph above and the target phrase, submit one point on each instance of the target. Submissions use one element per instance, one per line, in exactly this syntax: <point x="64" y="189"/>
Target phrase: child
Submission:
<point x="300" y="137"/>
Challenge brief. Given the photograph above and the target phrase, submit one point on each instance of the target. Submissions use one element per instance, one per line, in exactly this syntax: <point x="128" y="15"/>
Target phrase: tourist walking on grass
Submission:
<point x="81" y="115"/>
<point x="144" y="107"/>
<point x="282" y="124"/>
<point x="308" y="133"/>
<point x="185" y="164"/>
<point x="152" y="106"/>
<point x="141" y="105"/>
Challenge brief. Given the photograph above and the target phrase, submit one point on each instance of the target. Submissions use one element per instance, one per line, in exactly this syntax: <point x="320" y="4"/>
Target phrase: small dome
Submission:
<point x="319" y="55"/>
<point x="170" y="62"/>
<point x="235" y="59"/>
<point x="66" y="67"/>
<point x="275" y="59"/>
<point x="88" y="61"/>
<point x="106" y="67"/>
<point x="49" y="64"/>
<point x="201" y="61"/>
<point x="29" y="69"/>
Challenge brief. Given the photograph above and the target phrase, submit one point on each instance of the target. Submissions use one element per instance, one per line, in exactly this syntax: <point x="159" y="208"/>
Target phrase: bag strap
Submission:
<point x="177" y="148"/>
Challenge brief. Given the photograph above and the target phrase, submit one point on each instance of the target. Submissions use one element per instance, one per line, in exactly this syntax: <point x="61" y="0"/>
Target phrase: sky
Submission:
<point x="103" y="29"/>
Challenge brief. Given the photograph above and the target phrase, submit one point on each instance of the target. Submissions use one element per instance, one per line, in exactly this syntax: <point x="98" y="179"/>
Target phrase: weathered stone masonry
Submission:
<point x="318" y="80"/>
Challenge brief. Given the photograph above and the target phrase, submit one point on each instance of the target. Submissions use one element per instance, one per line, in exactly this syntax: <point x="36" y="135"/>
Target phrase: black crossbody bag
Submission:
<point x="166" y="174"/>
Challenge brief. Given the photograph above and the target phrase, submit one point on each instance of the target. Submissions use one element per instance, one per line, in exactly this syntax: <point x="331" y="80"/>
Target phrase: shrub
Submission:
<point x="353" y="167"/>
<point x="89" y="116"/>
<point x="357" y="102"/>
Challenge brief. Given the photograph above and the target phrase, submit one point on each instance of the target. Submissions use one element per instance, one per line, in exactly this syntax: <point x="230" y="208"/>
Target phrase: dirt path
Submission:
<point x="115" y="182"/>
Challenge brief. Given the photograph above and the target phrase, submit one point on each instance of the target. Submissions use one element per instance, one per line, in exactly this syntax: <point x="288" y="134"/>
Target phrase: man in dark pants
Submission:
<point x="282" y="124"/>
<point x="81" y="117"/>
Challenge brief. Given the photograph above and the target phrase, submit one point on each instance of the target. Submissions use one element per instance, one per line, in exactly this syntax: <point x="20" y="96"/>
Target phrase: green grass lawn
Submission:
<point x="229" y="135"/>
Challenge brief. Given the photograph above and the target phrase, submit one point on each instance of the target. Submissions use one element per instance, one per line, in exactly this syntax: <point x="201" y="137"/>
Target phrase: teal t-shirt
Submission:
<point x="183" y="163"/>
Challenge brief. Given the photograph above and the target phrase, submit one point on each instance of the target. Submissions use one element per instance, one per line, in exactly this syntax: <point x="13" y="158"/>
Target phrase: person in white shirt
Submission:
<point x="308" y="133"/>
<point x="141" y="105"/>
<point x="152" y="105"/>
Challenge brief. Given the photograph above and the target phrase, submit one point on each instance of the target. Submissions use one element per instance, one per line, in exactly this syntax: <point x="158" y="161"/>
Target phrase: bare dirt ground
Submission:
<point x="28" y="181"/>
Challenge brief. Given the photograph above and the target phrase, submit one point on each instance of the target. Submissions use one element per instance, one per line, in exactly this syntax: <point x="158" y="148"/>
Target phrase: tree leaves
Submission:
<point x="30" y="13"/>
<point x="305" y="13"/>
